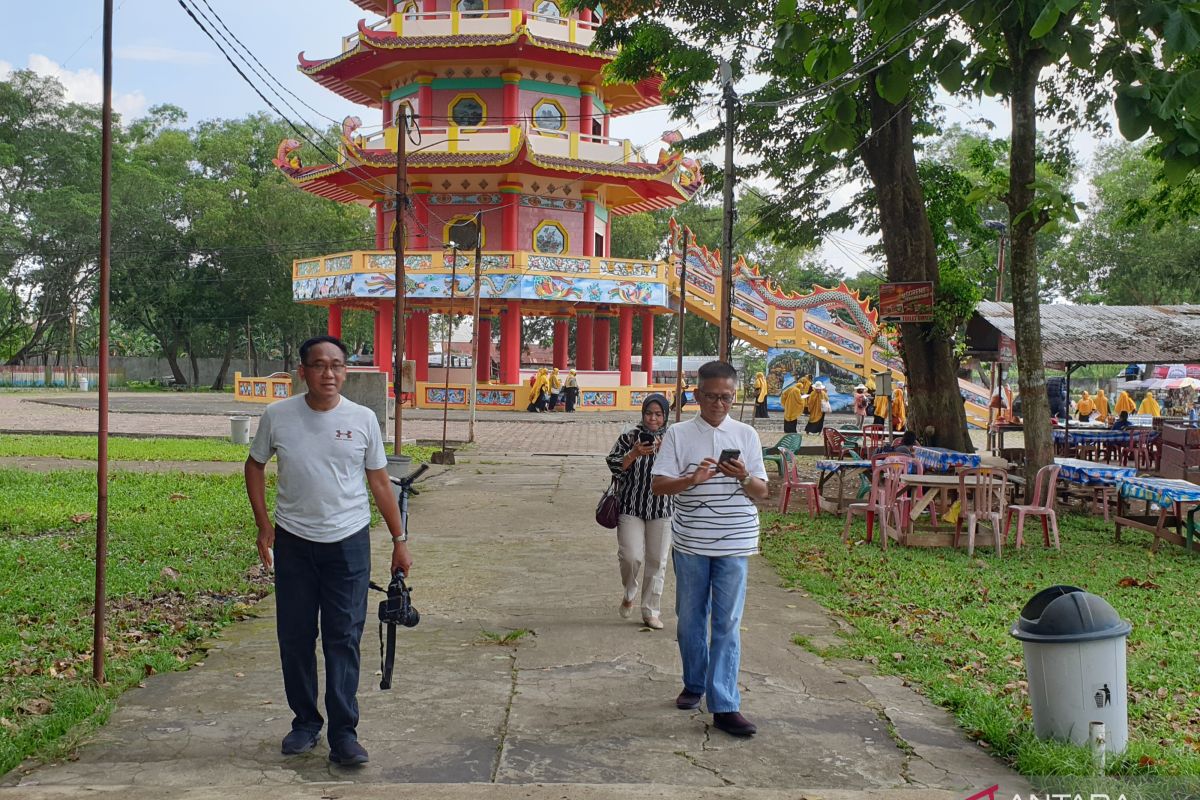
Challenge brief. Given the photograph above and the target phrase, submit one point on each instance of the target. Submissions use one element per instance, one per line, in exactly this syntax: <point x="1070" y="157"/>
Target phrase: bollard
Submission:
<point x="239" y="430"/>
<point x="1074" y="645"/>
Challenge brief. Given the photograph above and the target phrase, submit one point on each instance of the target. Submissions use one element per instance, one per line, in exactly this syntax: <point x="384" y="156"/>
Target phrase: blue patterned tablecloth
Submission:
<point x="1091" y="473"/>
<point x="833" y="465"/>
<point x="1095" y="436"/>
<point x="942" y="460"/>
<point x="1160" y="491"/>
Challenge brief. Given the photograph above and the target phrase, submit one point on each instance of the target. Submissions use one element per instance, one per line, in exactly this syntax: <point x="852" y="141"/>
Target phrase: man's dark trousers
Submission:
<point x="325" y="581"/>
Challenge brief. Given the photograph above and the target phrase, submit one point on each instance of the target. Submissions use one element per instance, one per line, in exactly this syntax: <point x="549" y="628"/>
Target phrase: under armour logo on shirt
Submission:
<point x="343" y="435"/>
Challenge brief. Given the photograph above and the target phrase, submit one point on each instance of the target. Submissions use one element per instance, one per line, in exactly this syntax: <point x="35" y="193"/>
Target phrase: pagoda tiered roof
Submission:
<point x="370" y="61"/>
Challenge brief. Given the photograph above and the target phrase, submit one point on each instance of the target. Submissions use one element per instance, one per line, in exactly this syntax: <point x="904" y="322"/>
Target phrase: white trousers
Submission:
<point x="643" y="543"/>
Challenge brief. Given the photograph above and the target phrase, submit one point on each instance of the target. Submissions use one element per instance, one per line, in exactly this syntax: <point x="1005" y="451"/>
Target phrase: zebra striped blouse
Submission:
<point x="633" y="485"/>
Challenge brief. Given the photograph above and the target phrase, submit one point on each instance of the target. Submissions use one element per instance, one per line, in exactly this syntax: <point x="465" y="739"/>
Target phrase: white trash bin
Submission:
<point x="1074" y="645"/>
<point x="398" y="467"/>
<point x="83" y="383"/>
<point x="239" y="429"/>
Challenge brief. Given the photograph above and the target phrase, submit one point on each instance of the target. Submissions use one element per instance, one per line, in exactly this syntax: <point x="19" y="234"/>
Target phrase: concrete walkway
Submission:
<point x="579" y="707"/>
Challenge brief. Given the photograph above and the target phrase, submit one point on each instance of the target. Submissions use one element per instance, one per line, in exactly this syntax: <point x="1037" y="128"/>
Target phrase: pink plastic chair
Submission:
<point x="1042" y="506"/>
<point x="881" y="502"/>
<point x="872" y="439"/>
<point x="981" y="493"/>
<point x="791" y="481"/>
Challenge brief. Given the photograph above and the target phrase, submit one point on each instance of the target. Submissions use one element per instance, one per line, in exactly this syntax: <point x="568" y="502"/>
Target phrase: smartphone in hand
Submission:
<point x="645" y="437"/>
<point x="729" y="455"/>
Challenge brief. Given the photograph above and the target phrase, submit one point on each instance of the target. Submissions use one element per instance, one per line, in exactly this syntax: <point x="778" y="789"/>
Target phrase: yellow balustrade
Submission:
<point x="276" y="386"/>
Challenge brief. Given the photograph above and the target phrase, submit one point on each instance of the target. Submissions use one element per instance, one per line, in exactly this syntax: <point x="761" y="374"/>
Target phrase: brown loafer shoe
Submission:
<point x="688" y="701"/>
<point x="733" y="723"/>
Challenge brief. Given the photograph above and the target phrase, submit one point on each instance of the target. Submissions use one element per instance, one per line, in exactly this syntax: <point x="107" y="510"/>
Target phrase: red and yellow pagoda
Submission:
<point x="511" y="128"/>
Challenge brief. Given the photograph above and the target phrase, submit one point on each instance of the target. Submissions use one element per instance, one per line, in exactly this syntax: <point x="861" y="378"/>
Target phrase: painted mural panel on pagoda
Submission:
<point x="339" y="264"/>
<point x="480" y="199"/>
<point x="561" y="203"/>
<point x="380" y="261"/>
<point x="306" y="269"/>
<point x="745" y="299"/>
<point x="626" y="269"/>
<point x="510" y="287"/>
<point x="327" y="287"/>
<point x="560" y="264"/>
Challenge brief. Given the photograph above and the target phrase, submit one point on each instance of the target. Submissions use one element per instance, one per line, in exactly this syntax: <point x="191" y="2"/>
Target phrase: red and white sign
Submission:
<point x="906" y="302"/>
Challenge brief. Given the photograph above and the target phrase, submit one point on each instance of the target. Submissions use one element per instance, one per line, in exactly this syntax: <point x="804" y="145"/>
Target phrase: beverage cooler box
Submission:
<point x="1180" y="453"/>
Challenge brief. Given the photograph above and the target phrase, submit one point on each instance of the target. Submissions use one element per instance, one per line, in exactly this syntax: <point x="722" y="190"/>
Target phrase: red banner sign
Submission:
<point x="906" y="302"/>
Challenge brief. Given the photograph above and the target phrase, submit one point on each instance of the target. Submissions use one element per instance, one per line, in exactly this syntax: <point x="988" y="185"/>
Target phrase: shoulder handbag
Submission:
<point x="608" y="510"/>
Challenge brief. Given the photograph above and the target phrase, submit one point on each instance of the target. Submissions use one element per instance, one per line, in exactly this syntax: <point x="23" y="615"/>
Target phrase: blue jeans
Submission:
<point x="709" y="596"/>
<point x="325" y="582"/>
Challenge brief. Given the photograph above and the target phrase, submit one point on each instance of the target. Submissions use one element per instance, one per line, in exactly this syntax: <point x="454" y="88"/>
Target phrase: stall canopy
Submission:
<point x="1076" y="335"/>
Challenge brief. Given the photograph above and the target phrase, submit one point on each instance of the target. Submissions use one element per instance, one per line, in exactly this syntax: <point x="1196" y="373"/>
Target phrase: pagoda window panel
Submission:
<point x="470" y="6"/>
<point x="411" y="10"/>
<point x="468" y="220"/>
<point x="468" y="110"/>
<point x="550" y="237"/>
<point x="547" y="8"/>
<point x="549" y="115"/>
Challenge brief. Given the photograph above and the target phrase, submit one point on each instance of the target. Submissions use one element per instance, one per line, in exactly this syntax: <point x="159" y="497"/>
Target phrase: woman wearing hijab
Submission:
<point x="817" y="398"/>
<point x="1150" y="406"/>
<point x="1085" y="407"/>
<point x="644" y="527"/>
<point x="880" y="412"/>
<point x="805" y="384"/>
<point x="1124" y="403"/>
<point x="899" y="410"/>
<point x="860" y="405"/>
<point x="1102" y="411"/>
<point x="760" y="396"/>
<point x="571" y="391"/>
<point x="554" y="384"/>
<point x="793" y="406"/>
<point x="538" y="391"/>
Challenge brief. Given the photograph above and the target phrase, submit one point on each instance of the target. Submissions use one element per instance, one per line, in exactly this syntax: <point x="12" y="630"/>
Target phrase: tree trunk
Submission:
<point x="219" y="384"/>
<point x="936" y="410"/>
<point x="171" y="353"/>
<point x="1031" y="379"/>
<point x="195" y="364"/>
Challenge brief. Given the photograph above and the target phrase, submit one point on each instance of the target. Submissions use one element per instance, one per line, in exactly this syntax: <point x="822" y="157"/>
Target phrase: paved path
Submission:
<point x="579" y="708"/>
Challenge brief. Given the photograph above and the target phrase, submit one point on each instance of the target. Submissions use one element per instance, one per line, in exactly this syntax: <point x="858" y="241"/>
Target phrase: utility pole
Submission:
<point x="98" y="613"/>
<point x="475" y="314"/>
<point x="725" y="343"/>
<point x="1001" y="230"/>
<point x="401" y="289"/>
<point x="679" y="382"/>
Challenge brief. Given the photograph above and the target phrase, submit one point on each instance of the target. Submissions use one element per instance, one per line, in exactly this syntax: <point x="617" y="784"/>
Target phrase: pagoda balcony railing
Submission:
<point x="433" y="24"/>
<point x="506" y="138"/>
<point x="495" y="262"/>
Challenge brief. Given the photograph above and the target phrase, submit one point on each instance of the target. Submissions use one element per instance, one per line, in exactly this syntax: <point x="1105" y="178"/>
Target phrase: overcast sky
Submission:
<point x="162" y="57"/>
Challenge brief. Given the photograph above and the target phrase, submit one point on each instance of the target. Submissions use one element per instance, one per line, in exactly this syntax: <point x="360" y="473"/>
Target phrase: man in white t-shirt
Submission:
<point x="714" y="532"/>
<point x="326" y="445"/>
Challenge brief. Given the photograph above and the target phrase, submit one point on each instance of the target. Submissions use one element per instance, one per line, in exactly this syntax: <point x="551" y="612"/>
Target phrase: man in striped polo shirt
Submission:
<point x="713" y="533"/>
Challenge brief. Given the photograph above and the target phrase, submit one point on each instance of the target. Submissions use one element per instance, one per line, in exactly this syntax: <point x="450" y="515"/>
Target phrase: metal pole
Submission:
<point x="99" y="616"/>
<point x="726" y="333"/>
<point x="475" y="314"/>
<point x="679" y="384"/>
<point x="401" y="289"/>
<point x="446" y="352"/>
<point x="991" y="435"/>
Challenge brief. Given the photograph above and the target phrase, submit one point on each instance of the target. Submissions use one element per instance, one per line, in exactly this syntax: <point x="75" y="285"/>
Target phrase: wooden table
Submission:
<point x="1172" y="498"/>
<point x="936" y="493"/>
<point x="831" y="468"/>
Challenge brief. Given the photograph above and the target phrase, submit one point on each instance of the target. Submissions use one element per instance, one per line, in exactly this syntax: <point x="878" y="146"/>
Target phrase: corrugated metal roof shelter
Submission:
<point x="1077" y="335"/>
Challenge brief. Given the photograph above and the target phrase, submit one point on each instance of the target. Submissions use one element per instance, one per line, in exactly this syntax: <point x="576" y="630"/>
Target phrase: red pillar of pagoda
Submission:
<point x="625" y="344"/>
<point x="334" y="326"/>
<point x="510" y="214"/>
<point x="381" y="241"/>
<point x="600" y="342"/>
<point x="561" y="337"/>
<point x="419" y="352"/>
<point x="648" y="346"/>
<point x="587" y="93"/>
<point x="483" y="370"/>
<point x="510" y="343"/>
<point x="511" y="97"/>
<point x="589" y="224"/>
<point x="425" y="119"/>
<point x="383" y="336"/>
<point x="583" y="341"/>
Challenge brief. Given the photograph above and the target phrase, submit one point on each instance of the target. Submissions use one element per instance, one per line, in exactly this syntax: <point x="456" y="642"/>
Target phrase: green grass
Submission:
<point x="941" y="621"/>
<point x="181" y="563"/>
<point x="504" y="637"/>
<point x="122" y="449"/>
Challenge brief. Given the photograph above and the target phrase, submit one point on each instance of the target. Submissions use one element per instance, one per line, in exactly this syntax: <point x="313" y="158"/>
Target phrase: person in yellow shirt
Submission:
<point x="817" y="401"/>
<point x="1102" y="412"/>
<point x="760" y="396"/>
<point x="1150" y="406"/>
<point x="1085" y="407"/>
<point x="899" y="411"/>
<point x="538" y="391"/>
<point x="554" y="386"/>
<point x="793" y="407"/>
<point x="880" y="412"/>
<point x="805" y="384"/>
<point x="1124" y="403"/>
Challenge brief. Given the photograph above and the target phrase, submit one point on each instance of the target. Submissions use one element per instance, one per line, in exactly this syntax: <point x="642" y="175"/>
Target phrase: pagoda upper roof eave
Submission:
<point x="347" y="74"/>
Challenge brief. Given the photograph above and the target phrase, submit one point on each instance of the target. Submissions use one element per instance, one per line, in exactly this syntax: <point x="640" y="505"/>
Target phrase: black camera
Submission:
<point x="397" y="609"/>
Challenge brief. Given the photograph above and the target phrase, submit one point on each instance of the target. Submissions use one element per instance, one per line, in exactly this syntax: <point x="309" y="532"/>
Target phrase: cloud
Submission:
<point x="85" y="86"/>
<point x="163" y="55"/>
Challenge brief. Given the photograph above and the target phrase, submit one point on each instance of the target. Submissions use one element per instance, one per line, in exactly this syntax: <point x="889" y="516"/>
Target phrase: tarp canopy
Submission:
<point x="1073" y="334"/>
